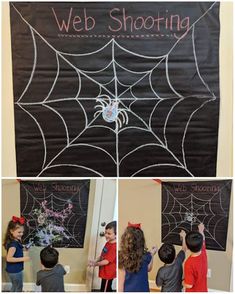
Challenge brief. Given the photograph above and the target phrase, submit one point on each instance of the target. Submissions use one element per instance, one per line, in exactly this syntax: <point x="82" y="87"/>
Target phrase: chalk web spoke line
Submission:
<point x="196" y="63"/>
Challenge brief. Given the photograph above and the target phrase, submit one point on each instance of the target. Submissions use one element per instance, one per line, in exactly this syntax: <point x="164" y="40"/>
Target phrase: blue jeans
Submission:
<point x="17" y="281"/>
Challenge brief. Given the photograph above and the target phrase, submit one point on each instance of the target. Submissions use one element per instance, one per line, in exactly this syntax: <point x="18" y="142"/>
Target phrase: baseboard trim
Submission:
<point x="154" y="287"/>
<point x="32" y="287"/>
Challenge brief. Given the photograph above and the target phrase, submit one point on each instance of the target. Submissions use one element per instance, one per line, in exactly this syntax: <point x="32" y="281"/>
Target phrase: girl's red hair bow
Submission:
<point x="20" y="220"/>
<point x="136" y="226"/>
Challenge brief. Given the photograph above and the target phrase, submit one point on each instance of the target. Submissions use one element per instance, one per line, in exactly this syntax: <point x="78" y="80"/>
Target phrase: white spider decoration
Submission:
<point x="190" y="217"/>
<point x="111" y="112"/>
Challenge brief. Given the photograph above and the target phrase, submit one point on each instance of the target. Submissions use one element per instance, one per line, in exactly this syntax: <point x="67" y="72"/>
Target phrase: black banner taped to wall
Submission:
<point x="187" y="204"/>
<point x="55" y="212"/>
<point x="116" y="88"/>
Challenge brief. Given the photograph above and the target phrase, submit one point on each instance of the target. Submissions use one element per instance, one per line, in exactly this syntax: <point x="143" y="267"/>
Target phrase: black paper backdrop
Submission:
<point x="55" y="212"/>
<point x="108" y="89"/>
<point x="186" y="204"/>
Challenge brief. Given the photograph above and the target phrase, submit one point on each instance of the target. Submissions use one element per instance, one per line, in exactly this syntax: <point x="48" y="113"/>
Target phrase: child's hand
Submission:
<point x="91" y="263"/>
<point x="182" y="234"/>
<point x="26" y="258"/>
<point x="201" y="228"/>
<point x="153" y="251"/>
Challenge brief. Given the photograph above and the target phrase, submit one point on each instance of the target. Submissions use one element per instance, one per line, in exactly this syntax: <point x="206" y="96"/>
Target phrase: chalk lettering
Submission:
<point x="76" y="22"/>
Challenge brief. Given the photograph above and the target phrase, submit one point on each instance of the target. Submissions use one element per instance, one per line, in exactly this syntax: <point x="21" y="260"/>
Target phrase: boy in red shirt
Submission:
<point x="107" y="260"/>
<point x="195" y="267"/>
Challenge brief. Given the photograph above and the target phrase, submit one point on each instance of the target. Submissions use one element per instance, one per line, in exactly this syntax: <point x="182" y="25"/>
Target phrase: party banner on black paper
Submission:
<point x="187" y="204"/>
<point x="55" y="212"/>
<point x="116" y="88"/>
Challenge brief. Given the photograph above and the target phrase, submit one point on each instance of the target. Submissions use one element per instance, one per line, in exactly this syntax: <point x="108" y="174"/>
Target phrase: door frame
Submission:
<point x="94" y="231"/>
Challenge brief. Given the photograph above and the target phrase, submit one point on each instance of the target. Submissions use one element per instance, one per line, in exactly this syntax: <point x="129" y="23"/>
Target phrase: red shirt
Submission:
<point x="195" y="272"/>
<point x="108" y="272"/>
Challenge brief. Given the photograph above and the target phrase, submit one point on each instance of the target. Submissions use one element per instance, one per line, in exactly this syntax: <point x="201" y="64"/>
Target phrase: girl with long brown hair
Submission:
<point x="15" y="258"/>
<point x="134" y="260"/>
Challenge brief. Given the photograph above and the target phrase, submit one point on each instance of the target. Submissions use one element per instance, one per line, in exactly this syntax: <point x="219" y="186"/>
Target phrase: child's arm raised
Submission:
<point x="121" y="280"/>
<point x="153" y="251"/>
<point x="10" y="258"/>
<point x="201" y="229"/>
<point x="182" y="237"/>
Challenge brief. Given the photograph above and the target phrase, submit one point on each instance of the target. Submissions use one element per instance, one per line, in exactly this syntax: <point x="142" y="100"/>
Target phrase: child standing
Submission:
<point x="135" y="261"/>
<point x="51" y="277"/>
<point x="195" y="268"/>
<point x="15" y="258"/>
<point x="169" y="277"/>
<point x="108" y="259"/>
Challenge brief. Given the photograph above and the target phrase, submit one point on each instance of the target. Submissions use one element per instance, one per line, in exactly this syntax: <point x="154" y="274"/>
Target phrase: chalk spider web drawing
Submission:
<point x="116" y="106"/>
<point x="53" y="220"/>
<point x="186" y="213"/>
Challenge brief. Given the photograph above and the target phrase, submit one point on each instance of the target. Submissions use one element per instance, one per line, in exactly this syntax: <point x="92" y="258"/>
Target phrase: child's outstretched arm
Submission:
<point x="98" y="262"/>
<point x="121" y="279"/>
<point x="201" y="229"/>
<point x="93" y="262"/>
<point x="153" y="251"/>
<point x="10" y="258"/>
<point x="101" y="263"/>
<point x="182" y="237"/>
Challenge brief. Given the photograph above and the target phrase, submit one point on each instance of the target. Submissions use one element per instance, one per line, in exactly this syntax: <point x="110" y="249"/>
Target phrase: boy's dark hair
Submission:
<point x="194" y="241"/>
<point x="49" y="257"/>
<point x="166" y="253"/>
<point x="112" y="225"/>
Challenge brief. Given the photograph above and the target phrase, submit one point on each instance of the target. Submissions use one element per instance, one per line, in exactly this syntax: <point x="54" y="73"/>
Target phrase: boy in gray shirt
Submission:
<point x="51" y="277"/>
<point x="169" y="276"/>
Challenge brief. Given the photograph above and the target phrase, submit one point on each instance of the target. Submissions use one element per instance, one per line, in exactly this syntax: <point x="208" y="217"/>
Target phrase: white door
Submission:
<point x="105" y="211"/>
